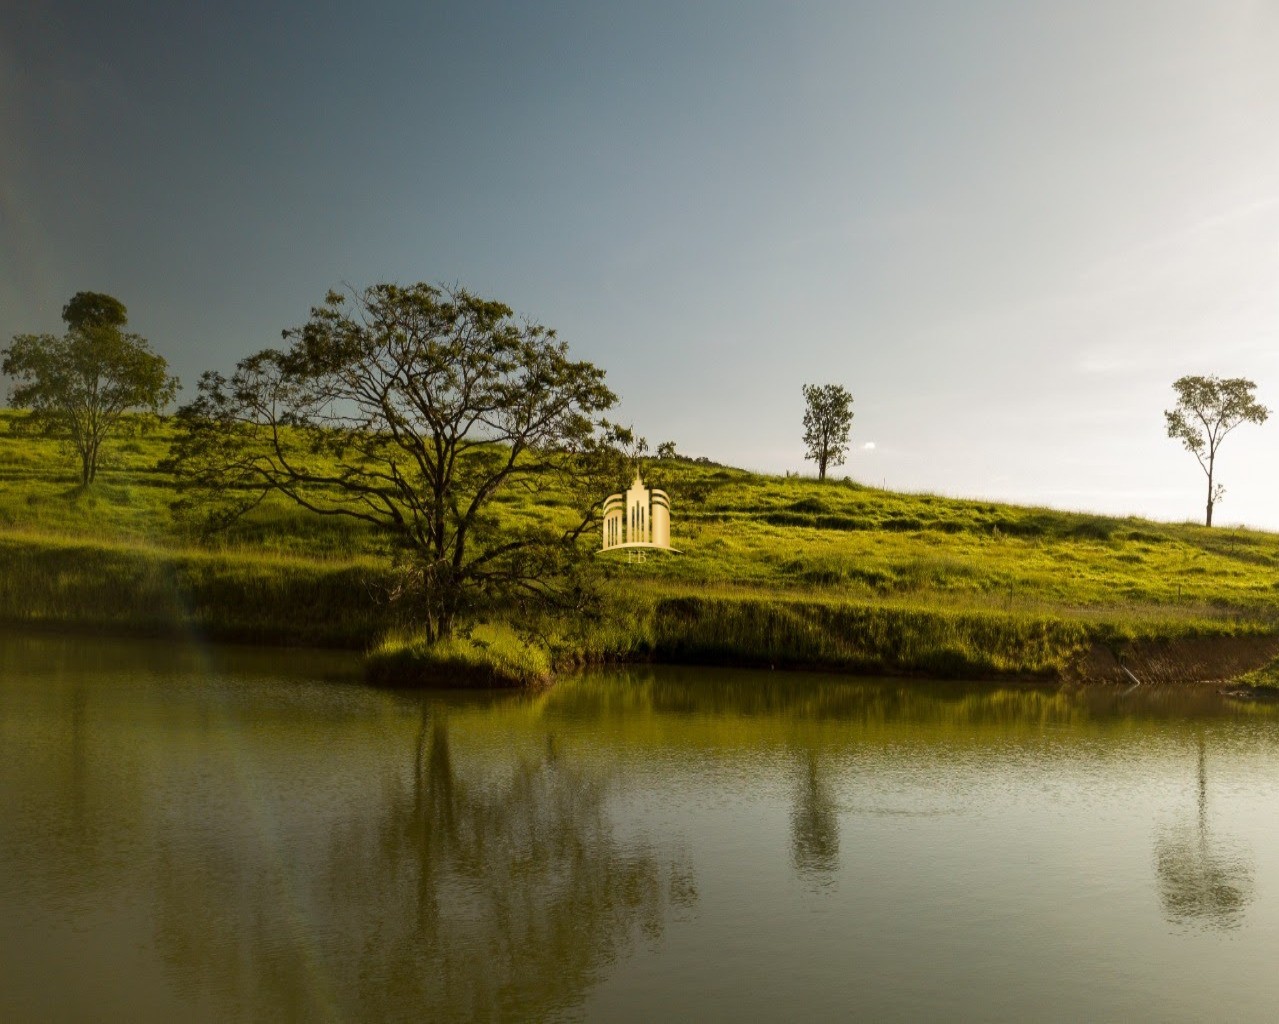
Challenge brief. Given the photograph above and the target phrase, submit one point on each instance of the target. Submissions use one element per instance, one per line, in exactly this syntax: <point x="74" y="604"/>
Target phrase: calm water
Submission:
<point x="217" y="835"/>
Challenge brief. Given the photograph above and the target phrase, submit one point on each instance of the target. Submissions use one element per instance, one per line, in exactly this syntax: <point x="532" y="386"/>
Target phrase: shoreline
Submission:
<point x="780" y="573"/>
<point x="1203" y="661"/>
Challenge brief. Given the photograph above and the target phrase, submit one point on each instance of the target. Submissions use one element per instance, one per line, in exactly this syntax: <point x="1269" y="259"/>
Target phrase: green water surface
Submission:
<point x="201" y="834"/>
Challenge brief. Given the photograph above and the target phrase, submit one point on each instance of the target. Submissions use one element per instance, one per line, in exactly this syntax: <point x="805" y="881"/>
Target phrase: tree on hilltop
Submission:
<point x="82" y="382"/>
<point x="410" y="409"/>
<point x="828" y="418"/>
<point x="1209" y="408"/>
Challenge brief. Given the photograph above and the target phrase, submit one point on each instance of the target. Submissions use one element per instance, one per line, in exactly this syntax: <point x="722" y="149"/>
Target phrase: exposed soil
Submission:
<point x="1199" y="660"/>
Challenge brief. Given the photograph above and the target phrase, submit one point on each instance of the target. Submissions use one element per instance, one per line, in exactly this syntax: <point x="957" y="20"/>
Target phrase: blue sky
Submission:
<point x="1005" y="227"/>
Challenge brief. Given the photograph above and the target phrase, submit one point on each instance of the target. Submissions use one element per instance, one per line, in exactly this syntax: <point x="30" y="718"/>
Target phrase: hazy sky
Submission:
<point x="1005" y="227"/>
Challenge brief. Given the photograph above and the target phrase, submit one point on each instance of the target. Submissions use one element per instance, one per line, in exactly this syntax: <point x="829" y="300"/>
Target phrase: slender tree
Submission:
<point x="828" y="417"/>
<point x="1209" y="408"/>
<point x="410" y="409"/>
<point x="82" y="382"/>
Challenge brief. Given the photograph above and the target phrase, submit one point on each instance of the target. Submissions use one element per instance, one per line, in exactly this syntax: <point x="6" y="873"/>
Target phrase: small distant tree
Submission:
<point x="82" y="382"/>
<point x="666" y="450"/>
<point x="631" y="444"/>
<point x="1209" y="408"/>
<point x="828" y="418"/>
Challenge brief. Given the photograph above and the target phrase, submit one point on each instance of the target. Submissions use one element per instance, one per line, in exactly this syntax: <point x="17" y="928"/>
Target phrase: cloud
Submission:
<point x="869" y="446"/>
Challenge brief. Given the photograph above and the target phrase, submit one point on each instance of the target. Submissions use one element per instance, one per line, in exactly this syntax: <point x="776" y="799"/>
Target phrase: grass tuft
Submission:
<point x="492" y="657"/>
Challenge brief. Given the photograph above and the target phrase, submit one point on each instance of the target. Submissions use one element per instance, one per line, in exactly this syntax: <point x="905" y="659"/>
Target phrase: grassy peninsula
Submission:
<point x="775" y="571"/>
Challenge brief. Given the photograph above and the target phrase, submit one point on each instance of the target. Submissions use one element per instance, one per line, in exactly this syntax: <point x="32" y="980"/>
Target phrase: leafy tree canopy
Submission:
<point x="1208" y="409"/>
<point x="828" y="418"/>
<point x="94" y="309"/>
<point x="410" y="409"/>
<point x="82" y="382"/>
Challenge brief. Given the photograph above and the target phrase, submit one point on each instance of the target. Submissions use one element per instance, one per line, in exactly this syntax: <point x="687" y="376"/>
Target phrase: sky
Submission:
<point x="1004" y="227"/>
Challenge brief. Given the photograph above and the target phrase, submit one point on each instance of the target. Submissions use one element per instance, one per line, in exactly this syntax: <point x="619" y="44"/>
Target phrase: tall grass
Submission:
<point x="132" y="589"/>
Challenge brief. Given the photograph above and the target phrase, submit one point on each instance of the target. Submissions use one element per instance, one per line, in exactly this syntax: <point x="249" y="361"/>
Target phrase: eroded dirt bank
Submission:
<point x="1192" y="660"/>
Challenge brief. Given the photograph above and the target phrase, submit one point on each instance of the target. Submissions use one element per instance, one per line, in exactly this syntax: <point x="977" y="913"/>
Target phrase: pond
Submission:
<point x="211" y="834"/>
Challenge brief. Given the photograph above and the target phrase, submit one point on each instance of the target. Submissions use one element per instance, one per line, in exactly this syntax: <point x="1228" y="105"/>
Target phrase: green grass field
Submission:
<point x="782" y="571"/>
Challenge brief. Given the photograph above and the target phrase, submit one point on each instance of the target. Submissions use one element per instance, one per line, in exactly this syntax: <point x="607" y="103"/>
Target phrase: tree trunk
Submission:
<point x="441" y="610"/>
<point x="1208" y="517"/>
<point x="821" y="467"/>
<point x="439" y="626"/>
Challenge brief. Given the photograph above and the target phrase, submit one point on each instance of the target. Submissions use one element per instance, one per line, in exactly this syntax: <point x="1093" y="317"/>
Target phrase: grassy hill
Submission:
<point x="775" y="571"/>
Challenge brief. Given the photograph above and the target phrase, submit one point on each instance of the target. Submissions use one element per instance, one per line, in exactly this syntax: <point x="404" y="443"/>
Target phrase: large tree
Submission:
<point x="81" y="383"/>
<point x="1209" y="408"/>
<point x="410" y="409"/>
<point x="828" y="417"/>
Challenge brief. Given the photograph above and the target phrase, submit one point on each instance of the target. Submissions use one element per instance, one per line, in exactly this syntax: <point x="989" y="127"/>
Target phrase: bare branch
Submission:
<point x="410" y="409"/>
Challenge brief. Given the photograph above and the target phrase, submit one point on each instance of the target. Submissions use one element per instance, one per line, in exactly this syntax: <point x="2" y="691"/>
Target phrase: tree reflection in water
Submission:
<point x="461" y="899"/>
<point x="1201" y="881"/>
<point x="814" y="827"/>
